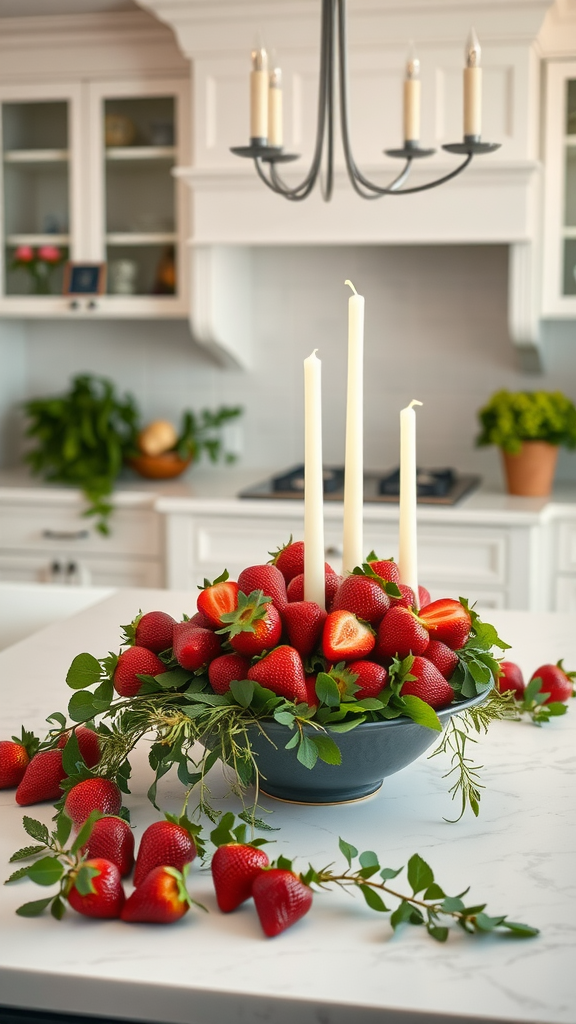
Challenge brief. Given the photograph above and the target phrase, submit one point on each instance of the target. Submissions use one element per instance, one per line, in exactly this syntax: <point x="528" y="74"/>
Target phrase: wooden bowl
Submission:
<point x="159" y="467"/>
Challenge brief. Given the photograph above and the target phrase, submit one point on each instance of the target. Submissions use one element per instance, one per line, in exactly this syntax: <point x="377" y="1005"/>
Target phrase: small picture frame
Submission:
<point x="84" y="279"/>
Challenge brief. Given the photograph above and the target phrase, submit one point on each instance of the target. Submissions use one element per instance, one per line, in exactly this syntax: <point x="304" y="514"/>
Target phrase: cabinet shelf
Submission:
<point x="142" y="238"/>
<point x="36" y="156"/>
<point x="37" y="239"/>
<point x="138" y="153"/>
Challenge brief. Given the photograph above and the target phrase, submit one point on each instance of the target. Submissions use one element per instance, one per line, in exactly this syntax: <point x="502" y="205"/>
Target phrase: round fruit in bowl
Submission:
<point x="164" y="453"/>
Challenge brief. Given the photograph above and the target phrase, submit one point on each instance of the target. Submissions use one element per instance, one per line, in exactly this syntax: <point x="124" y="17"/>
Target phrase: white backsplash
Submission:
<point x="436" y="330"/>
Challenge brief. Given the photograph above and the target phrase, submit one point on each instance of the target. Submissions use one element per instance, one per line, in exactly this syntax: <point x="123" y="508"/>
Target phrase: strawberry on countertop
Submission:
<point x="97" y="890"/>
<point x="88" y="744"/>
<point x="160" y="899"/>
<point x="163" y="843"/>
<point x="42" y="778"/>
<point x="234" y="868"/>
<point x="556" y="681"/>
<point x="281" y="899"/>
<point x="112" y="839"/>
<point x="15" y="756"/>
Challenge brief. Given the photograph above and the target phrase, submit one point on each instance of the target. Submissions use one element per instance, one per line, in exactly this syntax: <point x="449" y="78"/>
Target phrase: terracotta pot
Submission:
<point x="159" y="467"/>
<point x="531" y="472"/>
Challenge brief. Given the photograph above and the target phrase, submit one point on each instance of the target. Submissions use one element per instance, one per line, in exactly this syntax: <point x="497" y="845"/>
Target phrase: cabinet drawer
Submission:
<point x="105" y="572"/>
<point x="133" y="531"/>
<point x="234" y="544"/>
<point x="566" y="547"/>
<point x="471" y="556"/>
<point x="565" y="594"/>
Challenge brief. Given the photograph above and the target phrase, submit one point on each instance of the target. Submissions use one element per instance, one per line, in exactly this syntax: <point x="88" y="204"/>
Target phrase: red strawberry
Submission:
<point x="372" y="678"/>
<point x="106" y="897"/>
<point x="218" y="598"/>
<point x="387" y="569"/>
<point x="199" y="619"/>
<point x="282" y="672"/>
<point x="234" y="868"/>
<point x="441" y="656"/>
<point x="290" y="560"/>
<point x="267" y="578"/>
<point x="92" y="795"/>
<point x="304" y="621"/>
<point x="510" y="678"/>
<point x="401" y="633"/>
<point x="88" y="743"/>
<point x="408" y="599"/>
<point x="295" y="589"/>
<point x="133" y="662"/>
<point x="363" y="596"/>
<point x="255" y="626"/>
<point x="447" y="620"/>
<point x="194" y="646"/>
<point x="555" y="681"/>
<point x="42" y="778"/>
<point x="163" y="843"/>
<point x="112" y="839"/>
<point x="13" y="761"/>
<point x="281" y="899"/>
<point x="345" y="638"/>
<point x="311" y="696"/>
<point x="161" y="898"/>
<point x="424" y="597"/>
<point x="154" y="631"/>
<point x="224" y="669"/>
<point x="429" y="684"/>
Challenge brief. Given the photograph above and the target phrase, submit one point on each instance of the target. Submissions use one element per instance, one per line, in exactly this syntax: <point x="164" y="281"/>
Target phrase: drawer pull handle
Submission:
<point x="334" y="551"/>
<point x="66" y="534"/>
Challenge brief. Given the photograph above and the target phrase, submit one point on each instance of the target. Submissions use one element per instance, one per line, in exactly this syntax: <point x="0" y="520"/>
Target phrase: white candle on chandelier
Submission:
<point x="473" y="87"/>
<point x="314" y="585"/>
<point x="412" y="98"/>
<point x="353" y="542"/>
<point x="275" y="134"/>
<point x="408" y="553"/>
<point x="259" y="95"/>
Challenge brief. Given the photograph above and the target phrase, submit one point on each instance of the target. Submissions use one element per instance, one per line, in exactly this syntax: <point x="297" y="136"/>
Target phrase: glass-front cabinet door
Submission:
<point x="40" y="145"/>
<point x="559" y="266"/>
<point x="138" y="221"/>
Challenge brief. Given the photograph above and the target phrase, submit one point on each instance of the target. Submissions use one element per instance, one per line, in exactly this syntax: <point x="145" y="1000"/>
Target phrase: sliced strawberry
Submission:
<point x="104" y="897"/>
<point x="428" y="684"/>
<point x="266" y="578"/>
<point x="282" y="672"/>
<point x="295" y="589"/>
<point x="371" y="678"/>
<point x="163" y="842"/>
<point x="160" y="899"/>
<point x="364" y="596"/>
<point x="41" y="779"/>
<point x="217" y="599"/>
<point x="281" y="899"/>
<point x="401" y="633"/>
<point x="112" y="839"/>
<point x="447" y="620"/>
<point x="223" y="670"/>
<point x="92" y="795"/>
<point x="345" y="638"/>
<point x="134" y="662"/>
<point x="234" y="868"/>
<point x="443" y="657"/>
<point x="194" y="647"/>
<point x="304" y="621"/>
<point x="511" y="678"/>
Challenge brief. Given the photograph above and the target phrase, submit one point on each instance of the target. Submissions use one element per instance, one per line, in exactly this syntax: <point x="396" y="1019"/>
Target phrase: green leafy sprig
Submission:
<point x="533" y="703"/>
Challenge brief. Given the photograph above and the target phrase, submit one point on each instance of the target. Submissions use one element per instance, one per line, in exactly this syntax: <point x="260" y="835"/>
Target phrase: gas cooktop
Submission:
<point x="434" y="486"/>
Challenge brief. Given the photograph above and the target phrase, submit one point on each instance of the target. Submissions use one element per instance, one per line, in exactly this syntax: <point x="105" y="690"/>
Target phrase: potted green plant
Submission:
<point x="528" y="427"/>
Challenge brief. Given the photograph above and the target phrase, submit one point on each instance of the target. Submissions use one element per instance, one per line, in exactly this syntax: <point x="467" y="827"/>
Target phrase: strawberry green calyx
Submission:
<point x="28" y="740"/>
<point x="342" y="678"/>
<point x="212" y="583"/>
<point x="250" y="608"/>
<point x="275" y="555"/>
<point x="569" y="675"/>
<point x="129" y="631"/>
<point x="390" y="588"/>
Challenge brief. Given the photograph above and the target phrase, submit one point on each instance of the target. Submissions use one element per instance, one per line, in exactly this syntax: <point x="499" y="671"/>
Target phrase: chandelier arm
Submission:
<point x="329" y="38"/>
<point x="302" y="191"/>
<point x="437" y="181"/>
<point x="263" y="176"/>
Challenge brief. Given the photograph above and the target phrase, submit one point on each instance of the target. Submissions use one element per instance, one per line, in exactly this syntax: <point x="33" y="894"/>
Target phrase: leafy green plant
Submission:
<point x="82" y="438"/>
<point x="202" y="432"/>
<point x="512" y="417"/>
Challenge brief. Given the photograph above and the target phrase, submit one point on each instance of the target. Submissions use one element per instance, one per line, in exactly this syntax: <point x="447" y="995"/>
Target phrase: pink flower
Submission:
<point x="24" y="254"/>
<point x="49" y="254"/>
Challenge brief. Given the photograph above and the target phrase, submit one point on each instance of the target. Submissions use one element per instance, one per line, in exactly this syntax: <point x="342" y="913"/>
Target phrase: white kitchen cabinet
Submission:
<point x="44" y="539"/>
<point x="559" y="262"/>
<point x="87" y="167"/>
<point x="562" y="555"/>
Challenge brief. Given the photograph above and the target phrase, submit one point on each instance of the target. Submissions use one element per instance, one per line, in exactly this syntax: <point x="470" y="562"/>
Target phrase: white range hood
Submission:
<point x="497" y="200"/>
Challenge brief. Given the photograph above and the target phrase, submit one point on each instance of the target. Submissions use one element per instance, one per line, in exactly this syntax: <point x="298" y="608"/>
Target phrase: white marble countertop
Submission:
<point x="341" y="964"/>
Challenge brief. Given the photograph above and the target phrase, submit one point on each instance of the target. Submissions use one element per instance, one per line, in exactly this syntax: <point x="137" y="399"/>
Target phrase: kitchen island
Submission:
<point x="341" y="964"/>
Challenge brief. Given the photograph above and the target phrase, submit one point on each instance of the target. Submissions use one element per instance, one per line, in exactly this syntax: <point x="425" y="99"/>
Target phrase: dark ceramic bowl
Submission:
<point x="370" y="753"/>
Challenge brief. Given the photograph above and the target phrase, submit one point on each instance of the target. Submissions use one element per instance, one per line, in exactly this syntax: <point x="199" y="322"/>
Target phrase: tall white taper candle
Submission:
<point x="473" y="87"/>
<point x="259" y="95"/>
<point x="412" y="98"/>
<point x="353" y="544"/>
<point x="275" y="133"/>
<point x="314" y="585"/>
<point x="408" y="553"/>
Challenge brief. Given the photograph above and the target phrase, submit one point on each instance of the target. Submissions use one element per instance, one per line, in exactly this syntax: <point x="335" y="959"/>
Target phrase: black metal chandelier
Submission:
<point x="266" y="149"/>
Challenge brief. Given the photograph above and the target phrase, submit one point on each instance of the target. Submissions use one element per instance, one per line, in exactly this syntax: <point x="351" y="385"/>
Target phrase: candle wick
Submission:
<point x="352" y="286"/>
<point x="414" y="402"/>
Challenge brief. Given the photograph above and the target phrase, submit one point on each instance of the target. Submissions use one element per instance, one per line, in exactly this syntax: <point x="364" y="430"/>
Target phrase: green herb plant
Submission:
<point x="202" y="432"/>
<point x="82" y="438"/>
<point x="512" y="417"/>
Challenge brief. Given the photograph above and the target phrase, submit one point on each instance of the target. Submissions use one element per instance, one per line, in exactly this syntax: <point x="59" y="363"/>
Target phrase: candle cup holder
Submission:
<point x="410" y="151"/>
<point x="260" y="150"/>
<point x="471" y="146"/>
